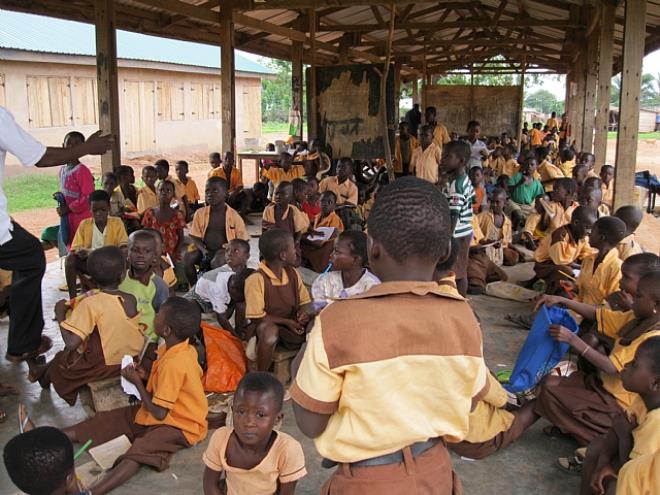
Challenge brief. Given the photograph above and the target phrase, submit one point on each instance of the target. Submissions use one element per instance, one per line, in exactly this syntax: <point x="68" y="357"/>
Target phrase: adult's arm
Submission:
<point x="95" y="145"/>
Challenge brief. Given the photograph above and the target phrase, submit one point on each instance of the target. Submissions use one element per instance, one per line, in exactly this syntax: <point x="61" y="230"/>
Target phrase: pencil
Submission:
<point x="82" y="449"/>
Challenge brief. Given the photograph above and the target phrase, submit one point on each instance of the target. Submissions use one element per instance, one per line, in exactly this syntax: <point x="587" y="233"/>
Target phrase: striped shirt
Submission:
<point x="460" y="194"/>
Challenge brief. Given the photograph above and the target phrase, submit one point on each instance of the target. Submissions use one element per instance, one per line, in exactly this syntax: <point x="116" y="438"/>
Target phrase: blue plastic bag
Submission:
<point x="540" y="352"/>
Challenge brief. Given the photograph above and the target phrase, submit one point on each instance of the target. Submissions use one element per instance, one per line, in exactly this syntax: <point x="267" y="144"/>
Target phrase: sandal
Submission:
<point x="571" y="465"/>
<point x="3" y="416"/>
<point x="23" y="418"/>
<point x="581" y="453"/>
<point x="45" y="345"/>
<point x="553" y="432"/>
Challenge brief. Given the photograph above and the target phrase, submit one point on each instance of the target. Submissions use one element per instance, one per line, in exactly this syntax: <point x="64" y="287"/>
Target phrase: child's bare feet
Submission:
<point x="24" y="421"/>
<point x="6" y="390"/>
<point x="38" y="371"/>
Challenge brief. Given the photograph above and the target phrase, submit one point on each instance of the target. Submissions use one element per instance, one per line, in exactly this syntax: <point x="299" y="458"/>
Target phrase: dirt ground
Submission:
<point x="648" y="158"/>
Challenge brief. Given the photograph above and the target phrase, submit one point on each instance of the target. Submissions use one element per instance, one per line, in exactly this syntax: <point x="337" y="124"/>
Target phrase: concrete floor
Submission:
<point x="523" y="468"/>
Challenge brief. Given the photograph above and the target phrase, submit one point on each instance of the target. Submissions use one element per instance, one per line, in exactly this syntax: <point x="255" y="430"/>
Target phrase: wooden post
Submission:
<point x="631" y="81"/>
<point x="106" y="77"/>
<point x="423" y="96"/>
<point x="591" y="85"/>
<point x="345" y="43"/>
<point x="383" y="96"/>
<point x="397" y="91"/>
<point x="228" y="81"/>
<point x="312" y="117"/>
<point x="579" y="99"/>
<point x="521" y="108"/>
<point x="297" y="81"/>
<point x="606" y="40"/>
<point x="415" y="89"/>
<point x="471" y="91"/>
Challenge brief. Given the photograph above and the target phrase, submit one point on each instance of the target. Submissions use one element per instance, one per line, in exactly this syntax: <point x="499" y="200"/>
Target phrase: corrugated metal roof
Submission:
<point x="49" y="35"/>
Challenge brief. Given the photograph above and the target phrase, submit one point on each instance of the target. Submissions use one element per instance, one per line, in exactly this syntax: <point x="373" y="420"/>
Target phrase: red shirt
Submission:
<point x="311" y="209"/>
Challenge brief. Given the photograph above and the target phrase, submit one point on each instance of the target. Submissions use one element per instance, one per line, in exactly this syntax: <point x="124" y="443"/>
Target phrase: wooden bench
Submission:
<point x="104" y="395"/>
<point x="282" y="364"/>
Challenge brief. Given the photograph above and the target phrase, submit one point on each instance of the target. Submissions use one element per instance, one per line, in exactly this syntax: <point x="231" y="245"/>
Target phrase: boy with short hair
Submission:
<point x="212" y="227"/>
<point x="567" y="161"/>
<point x="632" y="216"/>
<point x="426" y="158"/>
<point x="277" y="302"/>
<point x="592" y="197"/>
<point x="40" y="462"/>
<point x="580" y="174"/>
<point x="182" y="181"/>
<point x="317" y="253"/>
<point x="109" y="184"/>
<point x="147" y="196"/>
<point x="438" y="130"/>
<point x="238" y="197"/>
<point x="344" y="188"/>
<point x="163" y="172"/>
<point x="460" y="194"/>
<point x="93" y="233"/>
<point x="281" y="214"/>
<point x="523" y="190"/>
<point x="100" y="329"/>
<point x="286" y="172"/>
<point x="384" y="421"/>
<point x="607" y="184"/>
<point x="510" y="166"/>
<point x="480" y="196"/>
<point x="404" y="146"/>
<point x="255" y="459"/>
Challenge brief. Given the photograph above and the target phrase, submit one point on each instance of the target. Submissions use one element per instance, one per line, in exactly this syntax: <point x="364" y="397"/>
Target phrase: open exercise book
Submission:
<point x="325" y="233"/>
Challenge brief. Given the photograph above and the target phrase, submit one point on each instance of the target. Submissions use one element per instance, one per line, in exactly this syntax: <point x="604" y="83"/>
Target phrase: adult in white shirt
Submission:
<point x="479" y="149"/>
<point x="21" y="252"/>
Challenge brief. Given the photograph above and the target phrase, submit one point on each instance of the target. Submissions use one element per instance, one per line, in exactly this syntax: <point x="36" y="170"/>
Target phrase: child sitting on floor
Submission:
<point x="580" y="174"/>
<point x="147" y="196"/>
<point x="349" y="275"/>
<point x="255" y="460"/>
<point x="558" y="253"/>
<point x="548" y="172"/>
<point x="187" y="184"/>
<point x="282" y="214"/>
<point x="109" y="185"/>
<point x="93" y="233"/>
<point x="523" y="190"/>
<point x="312" y="205"/>
<point x="317" y="253"/>
<point x="166" y="220"/>
<point x="536" y="225"/>
<point x="510" y="166"/>
<point x="632" y="216"/>
<point x="567" y="161"/>
<point x="101" y="328"/>
<point x="212" y="227"/>
<point x="558" y="212"/>
<point x="592" y="197"/>
<point x="299" y="192"/>
<point x="480" y="197"/>
<point x="607" y="184"/>
<point x="150" y="290"/>
<point x="277" y="302"/>
<point x="174" y="407"/>
<point x="584" y="405"/>
<point x="128" y="194"/>
<point x="630" y="438"/>
<point x="40" y="462"/>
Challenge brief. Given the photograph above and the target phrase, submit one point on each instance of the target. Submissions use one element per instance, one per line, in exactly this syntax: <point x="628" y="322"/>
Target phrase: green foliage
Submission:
<point x="276" y="92"/>
<point x="272" y="127"/>
<point x="649" y="95"/>
<point x="31" y="192"/>
<point x="544" y="101"/>
<point x="479" y="80"/>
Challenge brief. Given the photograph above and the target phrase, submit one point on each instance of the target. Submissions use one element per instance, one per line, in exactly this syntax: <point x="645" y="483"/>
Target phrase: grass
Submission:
<point x="31" y="192"/>
<point x="268" y="127"/>
<point x="641" y="135"/>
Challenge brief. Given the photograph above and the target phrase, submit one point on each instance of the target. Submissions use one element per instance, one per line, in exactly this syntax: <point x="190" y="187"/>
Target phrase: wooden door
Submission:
<point x="139" y="109"/>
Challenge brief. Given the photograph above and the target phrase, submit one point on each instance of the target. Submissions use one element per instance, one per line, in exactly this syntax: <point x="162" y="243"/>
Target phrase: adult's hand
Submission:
<point x="97" y="144"/>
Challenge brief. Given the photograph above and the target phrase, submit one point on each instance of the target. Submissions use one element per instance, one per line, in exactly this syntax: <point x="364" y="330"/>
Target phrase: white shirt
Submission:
<point x="476" y="156"/>
<point x="98" y="237"/>
<point x="15" y="140"/>
<point x="330" y="286"/>
<point x="212" y="288"/>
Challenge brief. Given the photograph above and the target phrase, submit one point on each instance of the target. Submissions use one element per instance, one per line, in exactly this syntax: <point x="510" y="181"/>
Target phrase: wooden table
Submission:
<point x="257" y="157"/>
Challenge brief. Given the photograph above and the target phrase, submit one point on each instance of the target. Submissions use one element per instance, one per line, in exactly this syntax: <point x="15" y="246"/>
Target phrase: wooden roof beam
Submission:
<point x="465" y="23"/>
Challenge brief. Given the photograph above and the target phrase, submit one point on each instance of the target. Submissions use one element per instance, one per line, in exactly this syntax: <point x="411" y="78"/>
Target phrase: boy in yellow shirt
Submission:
<point x="147" y="196"/>
<point x="632" y="216"/>
<point x="425" y="161"/>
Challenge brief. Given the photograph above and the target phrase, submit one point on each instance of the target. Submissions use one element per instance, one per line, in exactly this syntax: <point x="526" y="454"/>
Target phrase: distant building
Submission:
<point x="169" y="90"/>
<point x="647" y="119"/>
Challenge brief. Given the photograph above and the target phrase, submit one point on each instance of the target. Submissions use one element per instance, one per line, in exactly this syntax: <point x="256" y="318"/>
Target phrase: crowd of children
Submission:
<point x="393" y="263"/>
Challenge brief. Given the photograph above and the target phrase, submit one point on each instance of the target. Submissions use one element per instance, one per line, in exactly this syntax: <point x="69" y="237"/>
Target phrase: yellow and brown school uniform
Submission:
<point x="107" y="334"/>
<point x="266" y="294"/>
<point x="567" y="167"/>
<point x="440" y="135"/>
<point x="175" y="383"/>
<point x="492" y="427"/>
<point x="190" y="187"/>
<point x="480" y="268"/>
<point x="496" y="164"/>
<point x="548" y="172"/>
<point x="426" y="162"/>
<point x="364" y="210"/>
<point x="558" y="215"/>
<point x="114" y="234"/>
<point x="629" y="247"/>
<point x="509" y="168"/>
<point x="640" y="476"/>
<point x="646" y="436"/>
<point x="585" y="405"/>
<point x="608" y="193"/>
<point x="346" y="192"/>
<point x="374" y="384"/>
<point x="533" y="226"/>
<point x="278" y="174"/>
<point x="319" y="257"/>
<point x="399" y="158"/>
<point x="293" y="220"/>
<point x="236" y="179"/>
<point x="146" y="199"/>
<point x="537" y="137"/>
<point x="234" y="224"/>
<point x="552" y="123"/>
<point x="503" y="255"/>
<point x="594" y="286"/>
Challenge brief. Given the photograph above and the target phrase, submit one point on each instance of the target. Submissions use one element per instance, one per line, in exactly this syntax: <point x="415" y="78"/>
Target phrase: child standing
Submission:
<point x="480" y="196"/>
<point x="426" y="158"/>
<point x="101" y="328"/>
<point x="283" y="215"/>
<point x="317" y="253"/>
<point x="349" y="276"/>
<point x="277" y="302"/>
<point x="632" y="216"/>
<point x="183" y="182"/>
<point x="255" y="458"/>
<point x="458" y="191"/>
<point x="166" y="220"/>
<point x="404" y="146"/>
<point x="147" y="196"/>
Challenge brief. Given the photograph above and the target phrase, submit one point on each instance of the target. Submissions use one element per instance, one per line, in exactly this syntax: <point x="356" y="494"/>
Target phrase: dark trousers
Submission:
<point x="24" y="256"/>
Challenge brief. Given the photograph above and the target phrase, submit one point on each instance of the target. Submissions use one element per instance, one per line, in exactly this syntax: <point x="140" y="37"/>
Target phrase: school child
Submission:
<point x="341" y="184"/>
<point x="600" y="272"/>
<point x="632" y="216"/>
<point x="93" y="233"/>
<point x="510" y="167"/>
<point x="237" y="196"/>
<point x="215" y="161"/>
<point x="496" y="160"/>
<point x="495" y="226"/>
<point x="212" y="291"/>
<point x="630" y="438"/>
<point x="426" y="158"/>
<point x="558" y="253"/>
<point x="283" y="215"/>
<point x="404" y="146"/>
<point x="409" y="407"/>
<point x="277" y="302"/>
<point x="567" y="161"/>
<point x="639" y="475"/>
<point x="286" y="171"/>
<point x="125" y="187"/>
<point x="102" y="327"/>
<point x="589" y="160"/>
<point x="458" y="191"/>
<point x="349" y="275"/>
<point x="166" y="220"/>
<point x="150" y="290"/>
<point x="254" y="457"/>
<point x="492" y="426"/>
<point x="438" y="130"/>
<point x="317" y="253"/>
<point x="147" y="196"/>
<point x="481" y="198"/>
<point x="607" y="184"/>
<point x="182" y="181"/>
<point x="479" y="150"/>
<point x="547" y="171"/>
<point x="173" y="412"/>
<point x="592" y="197"/>
<point x="559" y="211"/>
<point x="109" y="184"/>
<point x="212" y="227"/>
<point x="312" y="205"/>
<point x="584" y="405"/>
<point x="320" y="161"/>
<point x="481" y="270"/>
<point x="40" y="462"/>
<point x="536" y="135"/>
<point x="163" y="173"/>
<point x="537" y="224"/>
<point x="523" y="190"/>
<point x="299" y="192"/>
<point x="580" y="172"/>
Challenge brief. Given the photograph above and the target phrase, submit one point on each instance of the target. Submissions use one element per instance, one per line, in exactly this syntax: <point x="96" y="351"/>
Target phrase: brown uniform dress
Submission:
<point x="284" y="301"/>
<point x="318" y="257"/>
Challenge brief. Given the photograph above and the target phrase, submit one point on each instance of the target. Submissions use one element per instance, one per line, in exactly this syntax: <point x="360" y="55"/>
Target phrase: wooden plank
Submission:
<point x="297" y="82"/>
<point x="312" y="104"/>
<point x="578" y="110"/>
<point x="591" y="87"/>
<point x="606" y="35"/>
<point x="84" y="101"/>
<point x="521" y="108"/>
<point x="631" y="74"/>
<point x="147" y="129"/>
<point x="196" y="104"/>
<point x="415" y="90"/>
<point x="38" y="101"/>
<point x="464" y="23"/>
<point x="227" y="68"/>
<point x="131" y="116"/>
<point x="164" y="98"/>
<point x="106" y="74"/>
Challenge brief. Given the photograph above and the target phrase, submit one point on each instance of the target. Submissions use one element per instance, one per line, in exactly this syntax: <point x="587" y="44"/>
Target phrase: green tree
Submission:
<point x="544" y="101"/>
<point x="276" y="91"/>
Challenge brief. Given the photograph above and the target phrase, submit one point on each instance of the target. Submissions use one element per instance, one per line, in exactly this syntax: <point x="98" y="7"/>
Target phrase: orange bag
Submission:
<point x="225" y="358"/>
